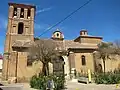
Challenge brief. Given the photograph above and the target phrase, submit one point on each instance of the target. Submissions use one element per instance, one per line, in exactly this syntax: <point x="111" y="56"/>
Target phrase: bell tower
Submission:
<point x="20" y="31"/>
<point x="20" y="24"/>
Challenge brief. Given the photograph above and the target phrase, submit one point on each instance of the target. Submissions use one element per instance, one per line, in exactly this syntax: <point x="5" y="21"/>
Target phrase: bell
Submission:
<point x="15" y="12"/>
<point x="22" y="13"/>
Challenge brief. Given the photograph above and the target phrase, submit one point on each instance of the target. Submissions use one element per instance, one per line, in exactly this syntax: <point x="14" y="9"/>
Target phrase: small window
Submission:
<point x="15" y="12"/>
<point x="28" y="13"/>
<point x="84" y="33"/>
<point x="20" y="28"/>
<point x="83" y="60"/>
<point x="22" y="13"/>
<point x="26" y="30"/>
<point x="14" y="29"/>
<point x="29" y="61"/>
<point x="57" y="34"/>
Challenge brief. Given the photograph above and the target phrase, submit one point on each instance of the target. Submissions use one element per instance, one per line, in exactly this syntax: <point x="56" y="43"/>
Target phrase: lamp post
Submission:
<point x="7" y="54"/>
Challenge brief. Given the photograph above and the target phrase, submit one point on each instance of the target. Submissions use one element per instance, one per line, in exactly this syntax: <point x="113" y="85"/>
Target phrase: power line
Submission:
<point x="65" y="18"/>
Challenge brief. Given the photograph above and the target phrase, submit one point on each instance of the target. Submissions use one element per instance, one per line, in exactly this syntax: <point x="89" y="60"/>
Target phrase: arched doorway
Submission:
<point x="58" y="66"/>
<point x="99" y="68"/>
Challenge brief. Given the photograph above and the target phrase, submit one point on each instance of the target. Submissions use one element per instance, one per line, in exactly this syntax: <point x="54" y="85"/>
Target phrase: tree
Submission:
<point x="117" y="47"/>
<point x="104" y="52"/>
<point x="36" y="38"/>
<point x="43" y="50"/>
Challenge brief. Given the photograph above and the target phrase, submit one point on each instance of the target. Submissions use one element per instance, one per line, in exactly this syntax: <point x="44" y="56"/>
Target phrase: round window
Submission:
<point x="57" y="34"/>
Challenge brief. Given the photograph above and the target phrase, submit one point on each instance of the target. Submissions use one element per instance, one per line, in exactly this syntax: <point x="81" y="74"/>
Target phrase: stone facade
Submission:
<point x="20" y="32"/>
<point x="20" y="35"/>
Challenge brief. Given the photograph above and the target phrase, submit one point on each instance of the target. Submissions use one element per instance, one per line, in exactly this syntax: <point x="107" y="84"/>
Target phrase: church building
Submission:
<point x="20" y="36"/>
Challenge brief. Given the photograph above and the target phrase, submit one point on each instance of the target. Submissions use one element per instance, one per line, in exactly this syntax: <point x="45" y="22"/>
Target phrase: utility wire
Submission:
<point x="65" y="18"/>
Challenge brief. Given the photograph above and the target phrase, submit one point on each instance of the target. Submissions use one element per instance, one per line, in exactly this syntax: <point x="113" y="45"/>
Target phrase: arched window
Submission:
<point x="20" y="28"/>
<point x="83" y="60"/>
<point x="22" y="13"/>
<point x="99" y="69"/>
<point x="15" y="12"/>
<point x="28" y="13"/>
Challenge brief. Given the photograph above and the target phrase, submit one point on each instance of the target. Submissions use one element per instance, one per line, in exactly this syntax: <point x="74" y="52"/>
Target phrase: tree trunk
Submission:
<point x="45" y="69"/>
<point x="104" y="65"/>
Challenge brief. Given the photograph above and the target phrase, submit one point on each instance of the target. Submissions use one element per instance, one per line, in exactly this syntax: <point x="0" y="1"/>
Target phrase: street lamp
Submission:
<point x="7" y="54"/>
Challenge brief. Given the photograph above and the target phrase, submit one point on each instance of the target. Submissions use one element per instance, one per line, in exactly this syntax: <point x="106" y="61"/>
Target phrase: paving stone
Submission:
<point x="11" y="87"/>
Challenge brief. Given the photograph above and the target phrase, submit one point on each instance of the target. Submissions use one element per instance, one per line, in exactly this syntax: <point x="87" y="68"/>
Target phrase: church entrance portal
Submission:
<point x="58" y="66"/>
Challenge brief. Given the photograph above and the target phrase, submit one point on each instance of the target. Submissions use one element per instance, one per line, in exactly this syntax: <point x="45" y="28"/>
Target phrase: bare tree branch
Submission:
<point x="43" y="50"/>
<point x="105" y="51"/>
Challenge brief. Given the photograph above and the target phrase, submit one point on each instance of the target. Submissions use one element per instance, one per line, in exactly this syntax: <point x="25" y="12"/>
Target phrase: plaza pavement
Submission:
<point x="69" y="85"/>
<point x="81" y="86"/>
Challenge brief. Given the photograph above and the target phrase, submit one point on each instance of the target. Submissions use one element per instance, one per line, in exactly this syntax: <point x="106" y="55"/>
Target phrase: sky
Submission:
<point x="99" y="18"/>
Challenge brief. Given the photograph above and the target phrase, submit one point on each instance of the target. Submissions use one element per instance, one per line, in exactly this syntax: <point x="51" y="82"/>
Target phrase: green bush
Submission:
<point x="107" y="78"/>
<point x="40" y="82"/>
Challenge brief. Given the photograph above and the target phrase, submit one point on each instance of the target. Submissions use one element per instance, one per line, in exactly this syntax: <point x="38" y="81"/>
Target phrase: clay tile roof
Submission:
<point x="66" y="44"/>
<point x="22" y="43"/>
<point x="61" y="45"/>
<point x="77" y="45"/>
<point x="21" y="5"/>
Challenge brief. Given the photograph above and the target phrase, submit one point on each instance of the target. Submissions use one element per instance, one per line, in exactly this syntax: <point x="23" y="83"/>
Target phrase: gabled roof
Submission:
<point x="77" y="45"/>
<point x="61" y="45"/>
<point x="88" y="36"/>
<point x="66" y="44"/>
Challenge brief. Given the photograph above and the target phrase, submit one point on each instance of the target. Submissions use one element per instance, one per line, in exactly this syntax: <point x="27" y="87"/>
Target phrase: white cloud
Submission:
<point x="40" y="26"/>
<point x="42" y="10"/>
<point x="3" y="22"/>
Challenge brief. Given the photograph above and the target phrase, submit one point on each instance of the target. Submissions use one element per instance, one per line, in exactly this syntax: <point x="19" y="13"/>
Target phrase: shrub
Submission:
<point x="40" y="82"/>
<point x="107" y="78"/>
